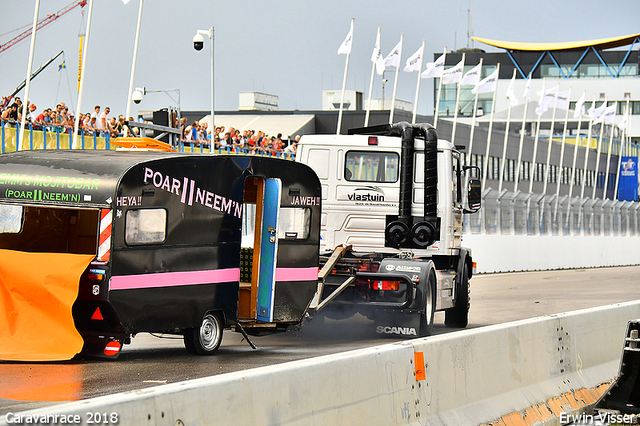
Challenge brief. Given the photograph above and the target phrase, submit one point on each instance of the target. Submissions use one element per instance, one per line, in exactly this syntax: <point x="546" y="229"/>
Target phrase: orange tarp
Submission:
<point x="37" y="291"/>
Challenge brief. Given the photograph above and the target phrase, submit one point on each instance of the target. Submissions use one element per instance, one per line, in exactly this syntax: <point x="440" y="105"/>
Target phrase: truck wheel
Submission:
<point x="458" y="316"/>
<point x="427" y="316"/>
<point x="206" y="339"/>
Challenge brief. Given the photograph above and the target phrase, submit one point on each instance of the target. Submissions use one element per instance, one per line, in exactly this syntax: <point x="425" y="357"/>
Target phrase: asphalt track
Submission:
<point x="150" y="361"/>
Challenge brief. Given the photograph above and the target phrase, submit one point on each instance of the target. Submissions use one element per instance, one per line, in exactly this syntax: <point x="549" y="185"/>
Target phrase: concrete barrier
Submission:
<point x="514" y="373"/>
<point x="494" y="253"/>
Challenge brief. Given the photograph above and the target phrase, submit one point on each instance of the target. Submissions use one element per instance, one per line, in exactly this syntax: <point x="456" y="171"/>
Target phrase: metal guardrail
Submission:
<point x="536" y="214"/>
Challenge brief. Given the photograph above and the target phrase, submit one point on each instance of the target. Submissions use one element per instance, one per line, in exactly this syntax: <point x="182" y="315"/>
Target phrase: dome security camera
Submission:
<point x="198" y="42"/>
<point x="137" y="96"/>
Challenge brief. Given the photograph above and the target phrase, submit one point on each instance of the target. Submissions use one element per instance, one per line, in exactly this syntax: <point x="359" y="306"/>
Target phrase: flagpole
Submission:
<point x="575" y="150"/>
<point x="493" y="108"/>
<point x="535" y="142"/>
<point x="473" y="120"/>
<point x="599" y="150"/>
<point x="373" y="72"/>
<point x="503" y="166"/>
<point x="548" y="163"/>
<point x="606" y="170"/>
<point x="437" y="107"/>
<point x="415" y="103"/>
<point x="25" y="106"/>
<point x="524" y="122"/>
<point x="586" y="153"/>
<point x="562" y="145"/>
<point x="81" y="90"/>
<point x="455" y="113"/>
<point x="133" y="70"/>
<point x="344" y="83"/>
<point x="622" y="144"/>
<point x="395" y="87"/>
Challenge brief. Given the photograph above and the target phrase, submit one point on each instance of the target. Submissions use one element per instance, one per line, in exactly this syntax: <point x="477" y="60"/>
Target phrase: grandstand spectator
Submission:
<point x="183" y="128"/>
<point x="10" y="113"/>
<point x="103" y="119"/>
<point x="118" y="127"/>
<point x="43" y="118"/>
<point x="204" y="128"/>
<point x="55" y="118"/>
<point x="293" y="147"/>
<point x="30" y="113"/>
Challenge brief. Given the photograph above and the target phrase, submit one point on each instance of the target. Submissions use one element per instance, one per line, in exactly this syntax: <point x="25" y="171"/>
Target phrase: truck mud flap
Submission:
<point x="37" y="292"/>
<point x="395" y="323"/>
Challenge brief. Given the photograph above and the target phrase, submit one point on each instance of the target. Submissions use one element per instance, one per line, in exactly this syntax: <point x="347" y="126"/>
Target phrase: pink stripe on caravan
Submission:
<point x="297" y="274"/>
<point x="173" y="279"/>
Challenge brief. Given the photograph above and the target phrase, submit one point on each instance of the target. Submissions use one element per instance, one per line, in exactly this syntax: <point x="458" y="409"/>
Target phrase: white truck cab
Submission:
<point x="393" y="194"/>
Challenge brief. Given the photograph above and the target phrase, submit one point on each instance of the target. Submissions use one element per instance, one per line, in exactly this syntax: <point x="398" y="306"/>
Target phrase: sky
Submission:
<point x="286" y="48"/>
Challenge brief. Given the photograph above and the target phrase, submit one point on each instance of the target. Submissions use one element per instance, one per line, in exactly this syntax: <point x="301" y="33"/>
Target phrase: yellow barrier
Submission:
<point x="52" y="140"/>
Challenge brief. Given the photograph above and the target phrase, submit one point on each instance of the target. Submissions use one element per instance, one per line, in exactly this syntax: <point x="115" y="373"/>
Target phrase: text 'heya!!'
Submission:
<point x="189" y="193"/>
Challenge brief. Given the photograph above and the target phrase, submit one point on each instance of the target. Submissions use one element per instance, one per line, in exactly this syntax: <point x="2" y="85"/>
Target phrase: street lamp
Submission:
<point x="198" y="44"/>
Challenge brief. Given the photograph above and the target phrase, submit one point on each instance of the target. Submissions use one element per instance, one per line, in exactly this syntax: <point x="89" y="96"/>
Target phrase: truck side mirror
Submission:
<point x="474" y="197"/>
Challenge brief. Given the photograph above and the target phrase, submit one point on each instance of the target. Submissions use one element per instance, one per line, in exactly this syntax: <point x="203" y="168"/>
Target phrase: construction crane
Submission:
<point x="41" y="23"/>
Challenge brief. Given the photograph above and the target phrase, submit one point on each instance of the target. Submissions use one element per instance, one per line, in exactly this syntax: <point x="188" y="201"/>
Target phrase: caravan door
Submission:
<point x="268" y="249"/>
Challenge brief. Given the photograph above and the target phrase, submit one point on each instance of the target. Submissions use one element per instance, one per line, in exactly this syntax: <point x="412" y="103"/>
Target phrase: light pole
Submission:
<point x="198" y="44"/>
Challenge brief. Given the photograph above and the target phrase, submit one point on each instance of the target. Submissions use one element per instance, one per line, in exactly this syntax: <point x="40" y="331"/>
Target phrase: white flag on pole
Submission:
<point x="579" y="111"/>
<point x="453" y="74"/>
<point x="562" y="99"/>
<point x="393" y="58"/>
<point x="511" y="95"/>
<point x="345" y="47"/>
<point x="596" y="113"/>
<point x="376" y="56"/>
<point x="608" y="115"/>
<point x="413" y="63"/>
<point x="547" y="99"/>
<point x="527" y="89"/>
<point x="623" y="123"/>
<point x="434" y="69"/>
<point x="472" y="76"/>
<point x="487" y="84"/>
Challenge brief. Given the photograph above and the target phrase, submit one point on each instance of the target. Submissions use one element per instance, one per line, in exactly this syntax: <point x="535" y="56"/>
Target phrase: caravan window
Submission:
<point x="294" y="223"/>
<point x="145" y="226"/>
<point x="10" y="219"/>
<point x="370" y="166"/>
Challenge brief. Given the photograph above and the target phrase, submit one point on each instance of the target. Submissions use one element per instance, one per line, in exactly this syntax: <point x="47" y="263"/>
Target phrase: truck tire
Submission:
<point x="205" y="339"/>
<point x="458" y="316"/>
<point x="428" y="314"/>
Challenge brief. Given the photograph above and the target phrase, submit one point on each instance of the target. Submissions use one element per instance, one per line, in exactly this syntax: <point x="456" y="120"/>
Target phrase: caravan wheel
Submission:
<point x="206" y="339"/>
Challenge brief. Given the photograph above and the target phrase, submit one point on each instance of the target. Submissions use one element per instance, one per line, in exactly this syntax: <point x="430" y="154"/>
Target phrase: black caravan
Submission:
<point x="101" y="245"/>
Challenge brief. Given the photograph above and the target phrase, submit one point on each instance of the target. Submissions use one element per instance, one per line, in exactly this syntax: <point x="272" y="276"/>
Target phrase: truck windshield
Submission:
<point x="371" y="166"/>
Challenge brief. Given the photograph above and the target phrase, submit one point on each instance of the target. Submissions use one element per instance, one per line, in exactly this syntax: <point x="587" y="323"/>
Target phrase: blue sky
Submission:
<point x="282" y="47"/>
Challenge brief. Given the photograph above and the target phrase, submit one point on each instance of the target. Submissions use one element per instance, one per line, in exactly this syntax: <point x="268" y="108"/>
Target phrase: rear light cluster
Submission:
<point x="385" y="285"/>
<point x="97" y="274"/>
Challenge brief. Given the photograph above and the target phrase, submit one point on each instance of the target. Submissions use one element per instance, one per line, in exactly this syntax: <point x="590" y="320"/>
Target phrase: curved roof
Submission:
<point x="600" y="44"/>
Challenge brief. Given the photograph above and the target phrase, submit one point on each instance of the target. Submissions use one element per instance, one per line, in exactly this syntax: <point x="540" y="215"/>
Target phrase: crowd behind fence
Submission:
<point x="58" y="137"/>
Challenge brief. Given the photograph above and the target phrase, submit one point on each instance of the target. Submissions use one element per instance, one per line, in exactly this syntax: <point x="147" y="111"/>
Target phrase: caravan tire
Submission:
<point x="205" y="339"/>
<point x="458" y="316"/>
<point x="428" y="313"/>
